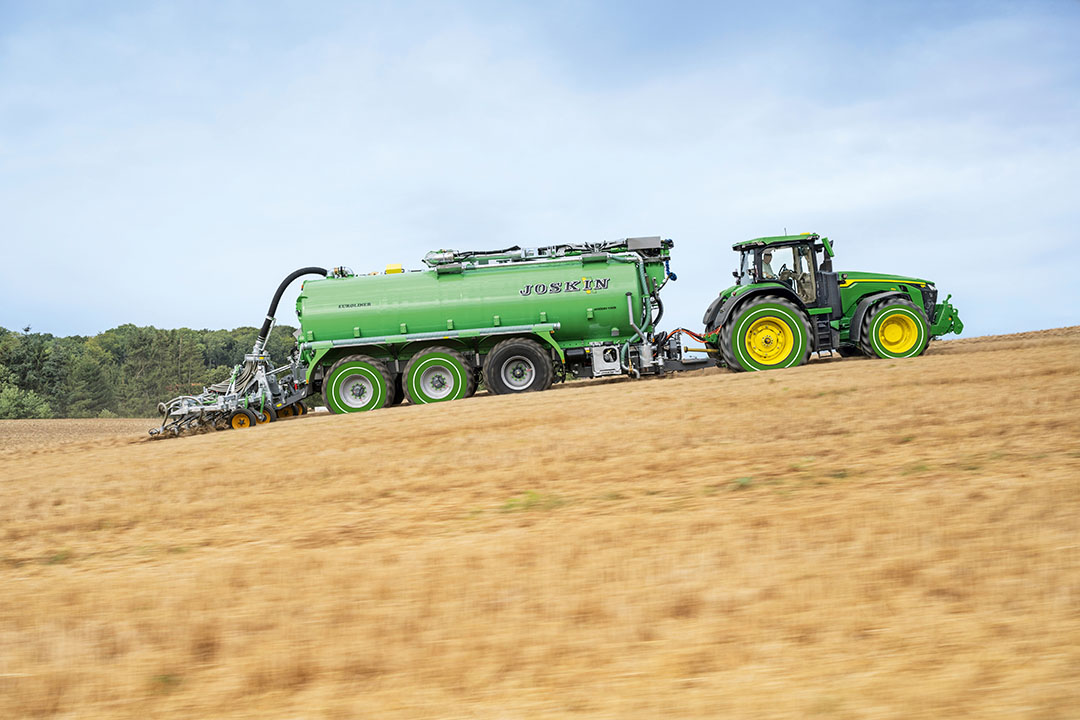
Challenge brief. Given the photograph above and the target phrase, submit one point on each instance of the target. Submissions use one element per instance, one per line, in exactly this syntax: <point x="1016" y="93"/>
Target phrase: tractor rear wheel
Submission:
<point x="437" y="374"/>
<point x="894" y="328"/>
<point x="517" y="365"/>
<point x="357" y="383"/>
<point x="766" y="333"/>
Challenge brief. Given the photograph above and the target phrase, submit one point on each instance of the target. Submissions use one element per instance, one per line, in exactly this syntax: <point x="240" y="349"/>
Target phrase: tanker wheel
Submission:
<point x="268" y="415"/>
<point x="766" y="333"/>
<point x="894" y="328"/>
<point x="300" y="408"/>
<point x="517" y="365"/>
<point x="437" y="374"/>
<point x="399" y="390"/>
<point x="357" y="383"/>
<point x="241" y="418"/>
<point x="286" y="412"/>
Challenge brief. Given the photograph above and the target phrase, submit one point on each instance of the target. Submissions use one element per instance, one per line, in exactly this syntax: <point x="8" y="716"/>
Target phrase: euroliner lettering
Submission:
<point x="568" y="286"/>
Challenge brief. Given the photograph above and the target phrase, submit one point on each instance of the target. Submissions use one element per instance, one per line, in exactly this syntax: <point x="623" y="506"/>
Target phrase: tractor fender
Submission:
<point x="864" y="306"/>
<point x="728" y="309"/>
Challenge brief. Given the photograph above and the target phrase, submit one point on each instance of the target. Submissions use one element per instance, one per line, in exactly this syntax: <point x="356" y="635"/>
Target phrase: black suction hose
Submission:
<point x="265" y="331"/>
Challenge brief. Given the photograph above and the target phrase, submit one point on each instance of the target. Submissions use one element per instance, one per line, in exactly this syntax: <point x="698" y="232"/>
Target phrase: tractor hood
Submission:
<point x="850" y="277"/>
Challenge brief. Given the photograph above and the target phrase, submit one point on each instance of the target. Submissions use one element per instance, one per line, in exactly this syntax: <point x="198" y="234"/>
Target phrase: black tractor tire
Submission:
<point x="914" y="334"/>
<point x="518" y="365"/>
<point x="789" y="325"/>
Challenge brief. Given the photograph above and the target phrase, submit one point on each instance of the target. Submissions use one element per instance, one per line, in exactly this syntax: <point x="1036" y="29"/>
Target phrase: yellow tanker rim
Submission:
<point x="898" y="333"/>
<point x="239" y="420"/>
<point x="768" y="340"/>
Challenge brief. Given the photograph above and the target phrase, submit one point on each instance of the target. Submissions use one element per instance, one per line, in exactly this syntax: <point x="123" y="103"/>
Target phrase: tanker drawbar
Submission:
<point x="521" y="319"/>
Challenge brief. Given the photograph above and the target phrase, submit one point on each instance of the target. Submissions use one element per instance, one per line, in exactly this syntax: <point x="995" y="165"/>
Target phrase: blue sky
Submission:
<point x="167" y="163"/>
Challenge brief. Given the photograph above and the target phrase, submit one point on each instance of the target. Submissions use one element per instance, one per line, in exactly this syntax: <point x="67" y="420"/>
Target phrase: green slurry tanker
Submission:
<point x="518" y="320"/>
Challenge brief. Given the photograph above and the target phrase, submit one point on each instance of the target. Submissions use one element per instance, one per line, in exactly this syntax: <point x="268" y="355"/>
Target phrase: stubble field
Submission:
<point x="849" y="539"/>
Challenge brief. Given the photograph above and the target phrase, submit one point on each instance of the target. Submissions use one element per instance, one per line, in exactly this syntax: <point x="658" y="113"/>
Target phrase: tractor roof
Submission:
<point x="783" y="241"/>
<point x="775" y="240"/>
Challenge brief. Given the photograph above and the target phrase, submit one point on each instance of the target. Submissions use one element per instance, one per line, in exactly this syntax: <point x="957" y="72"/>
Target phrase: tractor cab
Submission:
<point x="795" y="261"/>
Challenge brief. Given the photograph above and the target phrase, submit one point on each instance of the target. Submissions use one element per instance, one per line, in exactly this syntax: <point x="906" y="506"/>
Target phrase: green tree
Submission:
<point x="93" y="382"/>
<point x="16" y="403"/>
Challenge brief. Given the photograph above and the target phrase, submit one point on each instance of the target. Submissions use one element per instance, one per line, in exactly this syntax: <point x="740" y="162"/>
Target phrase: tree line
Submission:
<point x="122" y="372"/>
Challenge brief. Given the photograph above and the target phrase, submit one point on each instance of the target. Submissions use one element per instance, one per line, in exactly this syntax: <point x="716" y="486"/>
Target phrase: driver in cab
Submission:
<point x="766" y="267"/>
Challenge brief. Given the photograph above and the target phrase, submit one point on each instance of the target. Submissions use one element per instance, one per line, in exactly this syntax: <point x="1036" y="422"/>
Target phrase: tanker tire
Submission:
<point x="437" y="374"/>
<point x="517" y="365"/>
<point x="779" y="319"/>
<point x="357" y="383"/>
<point x="894" y="315"/>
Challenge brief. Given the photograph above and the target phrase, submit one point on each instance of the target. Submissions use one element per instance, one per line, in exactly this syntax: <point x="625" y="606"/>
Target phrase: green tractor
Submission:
<point x="788" y="302"/>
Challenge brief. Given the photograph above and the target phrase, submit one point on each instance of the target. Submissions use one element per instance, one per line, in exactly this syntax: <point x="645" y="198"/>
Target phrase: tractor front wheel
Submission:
<point x="894" y="328"/>
<point x="766" y="333"/>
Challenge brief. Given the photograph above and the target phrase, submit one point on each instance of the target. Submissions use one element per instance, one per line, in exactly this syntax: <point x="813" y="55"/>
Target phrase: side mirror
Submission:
<point x="735" y="274"/>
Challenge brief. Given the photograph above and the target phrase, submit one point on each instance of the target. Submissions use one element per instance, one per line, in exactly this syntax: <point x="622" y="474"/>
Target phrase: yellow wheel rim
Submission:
<point x="240" y="420"/>
<point x="265" y="418"/>
<point x="285" y="412"/>
<point x="769" y="340"/>
<point x="898" y="333"/>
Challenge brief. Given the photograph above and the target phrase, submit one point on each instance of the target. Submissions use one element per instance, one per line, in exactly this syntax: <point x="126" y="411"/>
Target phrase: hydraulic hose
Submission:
<point x="264" y="332"/>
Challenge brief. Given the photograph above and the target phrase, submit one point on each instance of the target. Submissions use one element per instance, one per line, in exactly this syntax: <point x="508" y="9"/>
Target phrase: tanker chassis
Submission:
<point x="518" y="320"/>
